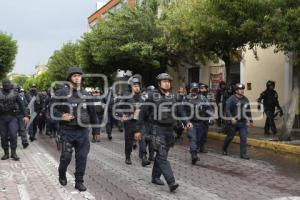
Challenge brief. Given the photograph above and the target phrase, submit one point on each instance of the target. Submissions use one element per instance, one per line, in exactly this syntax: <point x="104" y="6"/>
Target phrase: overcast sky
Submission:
<point x="41" y="26"/>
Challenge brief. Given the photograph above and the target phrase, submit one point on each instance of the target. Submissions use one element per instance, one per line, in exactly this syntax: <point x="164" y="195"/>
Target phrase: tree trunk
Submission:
<point x="227" y="61"/>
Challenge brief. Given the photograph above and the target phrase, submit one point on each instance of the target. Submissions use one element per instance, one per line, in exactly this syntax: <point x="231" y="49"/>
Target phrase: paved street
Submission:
<point x="265" y="176"/>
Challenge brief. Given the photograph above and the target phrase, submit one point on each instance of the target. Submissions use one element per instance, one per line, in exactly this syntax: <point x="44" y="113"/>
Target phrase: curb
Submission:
<point x="275" y="146"/>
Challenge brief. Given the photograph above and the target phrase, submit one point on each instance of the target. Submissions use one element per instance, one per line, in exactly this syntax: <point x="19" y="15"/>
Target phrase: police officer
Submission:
<point x="22" y="128"/>
<point x="99" y="106"/>
<point x="207" y="111"/>
<point x="221" y="97"/>
<point x="34" y="113"/>
<point x="110" y="101"/>
<point x="239" y="117"/>
<point x="9" y="100"/>
<point x="269" y="97"/>
<point x="195" y="133"/>
<point x="146" y="134"/>
<point x="129" y="118"/>
<point x="73" y="100"/>
<point x="163" y="122"/>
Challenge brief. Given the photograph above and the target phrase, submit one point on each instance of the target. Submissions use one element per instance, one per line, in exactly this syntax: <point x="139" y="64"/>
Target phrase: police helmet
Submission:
<point x="239" y="86"/>
<point x="163" y="76"/>
<point x="270" y="83"/>
<point x="150" y="88"/>
<point x="194" y="86"/>
<point x="73" y="70"/>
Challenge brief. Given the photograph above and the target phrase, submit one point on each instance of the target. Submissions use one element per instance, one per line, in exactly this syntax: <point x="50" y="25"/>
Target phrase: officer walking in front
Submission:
<point x="70" y="104"/>
<point x="239" y="118"/>
<point x="9" y="100"/>
<point x="163" y="122"/>
<point x="269" y="98"/>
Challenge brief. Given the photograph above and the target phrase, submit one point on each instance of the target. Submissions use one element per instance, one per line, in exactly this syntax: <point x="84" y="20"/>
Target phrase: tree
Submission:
<point x="43" y="80"/>
<point x="61" y="60"/>
<point x="215" y="29"/>
<point x="282" y="29"/>
<point x="8" y="51"/>
<point x="128" y="39"/>
<point x="19" y="79"/>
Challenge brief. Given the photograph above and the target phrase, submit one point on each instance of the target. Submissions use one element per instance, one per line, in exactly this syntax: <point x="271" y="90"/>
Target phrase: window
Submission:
<point x="193" y="74"/>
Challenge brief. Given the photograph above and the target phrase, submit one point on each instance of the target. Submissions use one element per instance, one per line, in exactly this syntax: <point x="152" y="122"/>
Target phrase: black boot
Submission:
<point x="94" y="139"/>
<point x="145" y="161"/>
<point x="128" y="161"/>
<point x="245" y="156"/>
<point x="6" y="155"/>
<point x="109" y="137"/>
<point x="157" y="181"/>
<point x="194" y="158"/>
<point x="173" y="186"/>
<point x="25" y="145"/>
<point x="14" y="155"/>
<point x="63" y="180"/>
<point x="79" y="186"/>
<point x="151" y="157"/>
<point x="224" y="152"/>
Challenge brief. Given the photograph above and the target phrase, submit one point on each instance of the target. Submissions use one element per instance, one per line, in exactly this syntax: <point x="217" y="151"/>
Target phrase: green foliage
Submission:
<point x="128" y="39"/>
<point x="8" y="51"/>
<point x="29" y="81"/>
<point x="197" y="30"/>
<point x="19" y="79"/>
<point x="63" y="59"/>
<point x="282" y="28"/>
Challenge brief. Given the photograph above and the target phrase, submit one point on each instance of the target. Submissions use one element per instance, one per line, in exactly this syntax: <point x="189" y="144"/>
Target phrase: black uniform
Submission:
<point x="9" y="103"/>
<point x="73" y="135"/>
<point x="22" y="128"/>
<point x="269" y="97"/>
<point x="34" y="113"/>
<point x="130" y="125"/>
<point x="163" y="130"/>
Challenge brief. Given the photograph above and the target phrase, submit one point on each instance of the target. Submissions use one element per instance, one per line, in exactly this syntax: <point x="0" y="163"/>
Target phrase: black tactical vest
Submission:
<point x="196" y="105"/>
<point x="164" y="108"/>
<point x="8" y="102"/>
<point x="78" y="106"/>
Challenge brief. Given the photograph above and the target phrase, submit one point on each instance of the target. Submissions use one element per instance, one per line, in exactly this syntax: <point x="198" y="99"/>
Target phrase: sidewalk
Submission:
<point x="35" y="177"/>
<point x="257" y="138"/>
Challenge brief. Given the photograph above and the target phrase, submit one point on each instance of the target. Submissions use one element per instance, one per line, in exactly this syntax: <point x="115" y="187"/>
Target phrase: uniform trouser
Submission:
<point x="22" y="130"/>
<point x="8" y="130"/>
<point x="33" y="128"/>
<point x="41" y="121"/>
<point x="129" y="134"/>
<point x="79" y="140"/>
<point x="109" y="124"/>
<point x="53" y="127"/>
<point x="270" y="121"/>
<point x="198" y="136"/>
<point x="204" y="135"/>
<point x="240" y="127"/>
<point x="161" y="164"/>
<point x="144" y="142"/>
